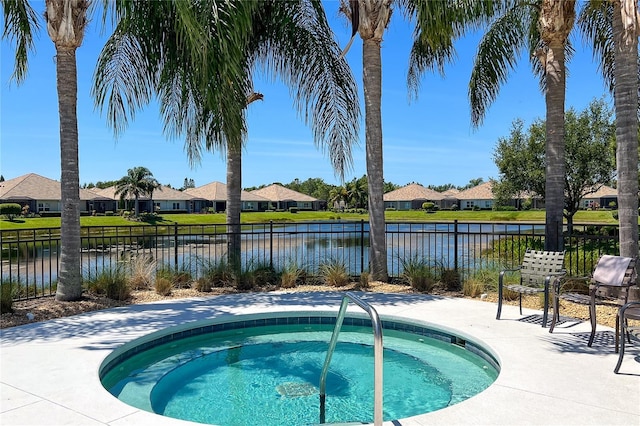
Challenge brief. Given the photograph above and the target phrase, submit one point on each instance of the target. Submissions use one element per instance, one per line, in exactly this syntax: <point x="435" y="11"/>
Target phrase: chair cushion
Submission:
<point x="610" y="270"/>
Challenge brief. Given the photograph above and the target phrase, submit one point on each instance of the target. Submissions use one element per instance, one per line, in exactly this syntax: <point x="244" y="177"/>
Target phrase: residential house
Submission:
<point x="604" y="197"/>
<point x="214" y="195"/>
<point x="43" y="195"/>
<point x="480" y="196"/>
<point x="449" y="198"/>
<point x="282" y="198"/>
<point x="411" y="197"/>
<point x="164" y="199"/>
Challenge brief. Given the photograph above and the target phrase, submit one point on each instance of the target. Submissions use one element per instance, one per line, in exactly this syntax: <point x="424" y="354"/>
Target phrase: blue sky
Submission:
<point x="429" y="140"/>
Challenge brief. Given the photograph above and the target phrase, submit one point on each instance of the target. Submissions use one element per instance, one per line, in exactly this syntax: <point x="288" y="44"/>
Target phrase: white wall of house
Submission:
<point x="167" y="205"/>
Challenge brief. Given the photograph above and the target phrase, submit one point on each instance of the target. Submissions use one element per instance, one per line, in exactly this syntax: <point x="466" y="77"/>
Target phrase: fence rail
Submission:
<point x="30" y="256"/>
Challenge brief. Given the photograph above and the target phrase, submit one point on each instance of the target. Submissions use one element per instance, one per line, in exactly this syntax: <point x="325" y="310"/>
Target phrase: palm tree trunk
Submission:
<point x="234" y="205"/>
<point x="69" y="278"/>
<point x="137" y="206"/>
<point x="554" y="149"/>
<point x="625" y="33"/>
<point x="372" y="81"/>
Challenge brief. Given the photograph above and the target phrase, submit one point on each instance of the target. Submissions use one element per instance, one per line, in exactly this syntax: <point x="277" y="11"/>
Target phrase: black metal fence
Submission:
<point x="30" y="257"/>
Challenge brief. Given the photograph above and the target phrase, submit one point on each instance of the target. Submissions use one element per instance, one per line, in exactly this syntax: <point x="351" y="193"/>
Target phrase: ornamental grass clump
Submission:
<point x="8" y="290"/>
<point x="111" y="281"/>
<point x="141" y="270"/>
<point x="417" y="273"/>
<point x="333" y="272"/>
<point x="290" y="275"/>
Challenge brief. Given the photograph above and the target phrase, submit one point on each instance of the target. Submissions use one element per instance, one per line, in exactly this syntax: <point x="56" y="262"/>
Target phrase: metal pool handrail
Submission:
<point x="377" y="356"/>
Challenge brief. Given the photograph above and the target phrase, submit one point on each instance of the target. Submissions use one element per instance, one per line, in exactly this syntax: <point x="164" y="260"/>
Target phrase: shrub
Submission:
<point x="428" y="206"/>
<point x="163" y="286"/>
<point x="203" y="285"/>
<point x="216" y="272"/>
<point x="263" y="274"/>
<point x="416" y="273"/>
<point x="290" y="275"/>
<point x="333" y="272"/>
<point x="8" y="290"/>
<point x="180" y="277"/>
<point x="473" y="287"/>
<point x="141" y="269"/>
<point x="293" y="210"/>
<point x="364" y="280"/>
<point x="450" y="278"/>
<point x="111" y="282"/>
<point x="10" y="210"/>
<point x="454" y="207"/>
<point x="615" y="214"/>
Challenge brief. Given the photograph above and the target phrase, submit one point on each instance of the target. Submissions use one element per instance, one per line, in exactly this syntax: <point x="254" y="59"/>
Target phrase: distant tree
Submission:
<point x="473" y="182"/>
<point x="139" y="181"/>
<point x="106" y="184"/>
<point x="389" y="186"/>
<point x="441" y="188"/>
<point x="338" y="196"/>
<point x="188" y="183"/>
<point x="357" y="194"/>
<point x="589" y="156"/>
<point x="314" y="187"/>
<point x="1" y="178"/>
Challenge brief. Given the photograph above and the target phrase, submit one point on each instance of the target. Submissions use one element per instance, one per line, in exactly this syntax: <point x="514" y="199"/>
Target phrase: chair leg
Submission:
<point x="520" y="300"/>
<point x="556" y="313"/>
<point x="622" y="342"/>
<point x="592" y="319"/>
<point x="618" y="333"/>
<point x="499" y="296"/>
<point x="545" y="313"/>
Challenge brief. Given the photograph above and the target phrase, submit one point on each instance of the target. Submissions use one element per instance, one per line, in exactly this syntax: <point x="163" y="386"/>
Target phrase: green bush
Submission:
<point x="8" y="290"/>
<point x="216" y="272"/>
<point x="429" y="206"/>
<point x="333" y="272"/>
<point x="450" y="278"/>
<point x="473" y="287"/>
<point x="417" y="273"/>
<point x="163" y="286"/>
<point x="10" y="210"/>
<point x="111" y="282"/>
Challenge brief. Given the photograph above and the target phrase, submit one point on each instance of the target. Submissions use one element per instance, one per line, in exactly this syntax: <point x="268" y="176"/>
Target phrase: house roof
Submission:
<point x="450" y="193"/>
<point x="217" y="191"/>
<point x="603" y="191"/>
<point x="277" y="192"/>
<point x="35" y="187"/>
<point x="479" y="192"/>
<point x="413" y="191"/>
<point x="162" y="193"/>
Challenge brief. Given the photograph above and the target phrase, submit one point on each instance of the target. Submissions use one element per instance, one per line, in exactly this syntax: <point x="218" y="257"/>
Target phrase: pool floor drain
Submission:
<point x="296" y="389"/>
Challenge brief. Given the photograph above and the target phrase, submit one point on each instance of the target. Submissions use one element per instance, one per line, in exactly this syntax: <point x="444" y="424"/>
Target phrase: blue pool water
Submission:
<point x="269" y="375"/>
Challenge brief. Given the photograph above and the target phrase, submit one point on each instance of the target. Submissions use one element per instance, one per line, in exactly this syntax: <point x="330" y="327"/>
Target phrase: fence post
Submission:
<point x="361" y="246"/>
<point x="271" y="244"/>
<point x="455" y="245"/>
<point x="175" y="245"/>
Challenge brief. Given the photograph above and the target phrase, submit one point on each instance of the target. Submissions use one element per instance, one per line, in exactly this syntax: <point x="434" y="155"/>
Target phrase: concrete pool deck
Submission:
<point x="49" y="370"/>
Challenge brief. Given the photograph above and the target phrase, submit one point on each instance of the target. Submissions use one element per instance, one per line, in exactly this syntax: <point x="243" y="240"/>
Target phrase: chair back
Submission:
<point x="614" y="271"/>
<point x="537" y="265"/>
<point x="613" y="277"/>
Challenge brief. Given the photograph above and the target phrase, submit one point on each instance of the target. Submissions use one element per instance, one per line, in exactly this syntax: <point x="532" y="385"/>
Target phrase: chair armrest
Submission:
<point x="562" y="278"/>
<point x="500" y="277"/>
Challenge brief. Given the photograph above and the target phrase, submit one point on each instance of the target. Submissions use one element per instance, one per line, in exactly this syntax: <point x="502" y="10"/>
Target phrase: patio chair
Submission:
<point x="609" y="285"/>
<point x="537" y="270"/>
<point x="628" y="311"/>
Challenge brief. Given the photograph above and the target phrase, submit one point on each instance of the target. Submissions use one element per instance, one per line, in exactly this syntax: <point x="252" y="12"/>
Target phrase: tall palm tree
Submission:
<point x="138" y="182"/>
<point x="626" y="29"/>
<point x="66" y="21"/>
<point x="541" y="28"/>
<point x="438" y="24"/>
<point x="205" y="89"/>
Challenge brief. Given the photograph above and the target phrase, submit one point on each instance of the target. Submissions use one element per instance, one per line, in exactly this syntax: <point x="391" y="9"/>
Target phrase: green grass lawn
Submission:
<point x="599" y="216"/>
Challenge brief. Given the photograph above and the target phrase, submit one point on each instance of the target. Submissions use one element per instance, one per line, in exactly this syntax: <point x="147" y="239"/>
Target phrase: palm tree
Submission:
<point x="438" y="24"/>
<point x="626" y="29"/>
<point x="357" y="193"/>
<point x="138" y="182"/>
<point x="66" y="21"/>
<point x="288" y="39"/>
<point x="338" y="196"/>
<point x="540" y="28"/>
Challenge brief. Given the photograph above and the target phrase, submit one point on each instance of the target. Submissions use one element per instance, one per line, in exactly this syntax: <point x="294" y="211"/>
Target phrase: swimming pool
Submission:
<point x="264" y="370"/>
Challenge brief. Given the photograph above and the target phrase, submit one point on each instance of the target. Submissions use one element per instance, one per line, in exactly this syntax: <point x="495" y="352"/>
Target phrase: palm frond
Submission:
<point x="20" y="22"/>
<point x="595" y="23"/>
<point x="497" y="54"/>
